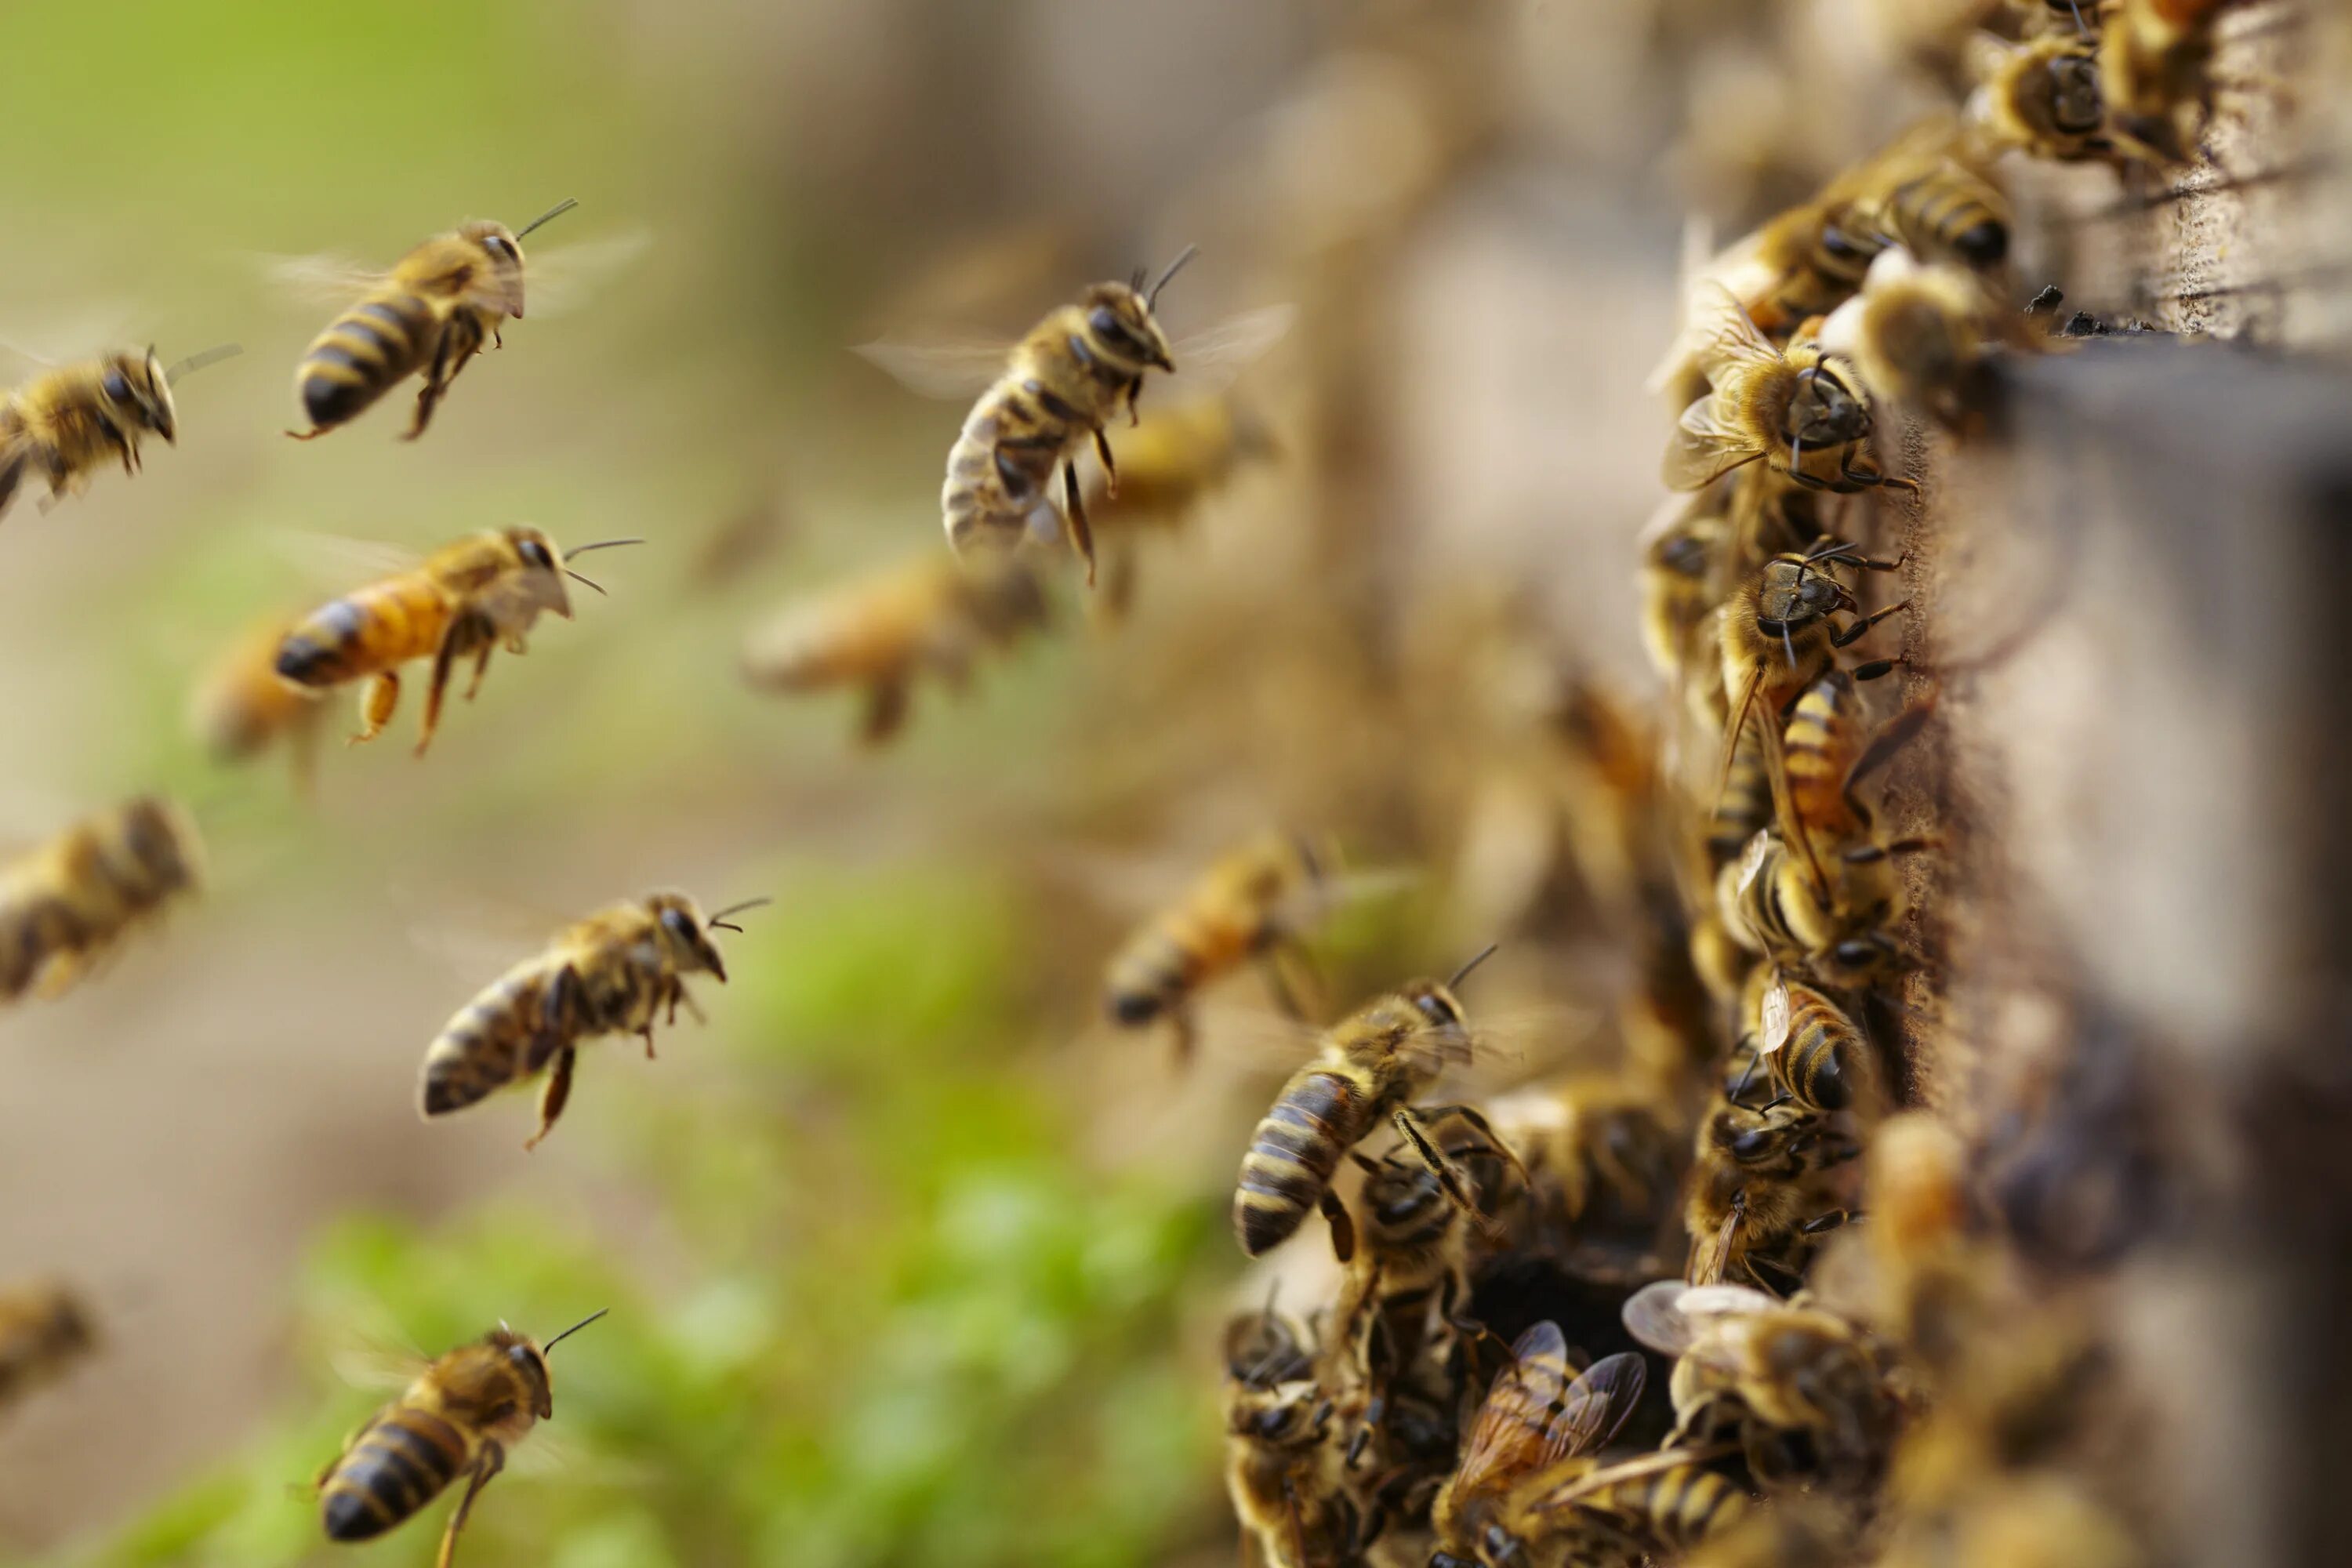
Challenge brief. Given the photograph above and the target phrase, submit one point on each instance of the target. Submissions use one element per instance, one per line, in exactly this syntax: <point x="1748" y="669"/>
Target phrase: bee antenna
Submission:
<point x="557" y="210"/>
<point x="1485" y="953"/>
<point x="600" y="544"/>
<point x="198" y="362"/>
<point x="1135" y="279"/>
<point x="592" y="582"/>
<point x="1151" y="301"/>
<point x="719" y="919"/>
<point x="573" y="1329"/>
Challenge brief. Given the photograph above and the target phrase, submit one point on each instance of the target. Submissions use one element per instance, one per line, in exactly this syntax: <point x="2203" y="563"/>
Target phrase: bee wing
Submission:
<point x="957" y="369"/>
<point x="569" y="277"/>
<point x="1773" y="1026"/>
<point x="333" y="564"/>
<point x="1701" y="450"/>
<point x="326" y="276"/>
<point x="1208" y="361"/>
<point x="1503" y="1443"/>
<point x="1596" y="1406"/>
<point x="1726" y="336"/>
<point x="1711" y="1256"/>
<point x="1673" y="1318"/>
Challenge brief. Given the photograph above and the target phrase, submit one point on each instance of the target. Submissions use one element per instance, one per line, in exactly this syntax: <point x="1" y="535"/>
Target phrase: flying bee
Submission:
<point x="882" y="630"/>
<point x="2155" y="70"/>
<point x="65" y="906"/>
<point x="467" y="599"/>
<point x="45" y="1328"/>
<point x="1283" y="1467"/>
<point x="2042" y="96"/>
<point x="1056" y="390"/>
<point x="69" y="421"/>
<point x="1800" y="413"/>
<point x="459" y="1418"/>
<point x="1370" y="1068"/>
<point x="432" y="312"/>
<point x="1764" y="1184"/>
<point x="244" y="705"/>
<point x="608" y="975"/>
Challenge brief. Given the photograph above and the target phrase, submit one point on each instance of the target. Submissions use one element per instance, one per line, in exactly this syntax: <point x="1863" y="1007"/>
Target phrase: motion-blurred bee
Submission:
<point x="244" y="705"/>
<point x="66" y="423"/>
<point x="45" y="1328"/>
<point x="1370" y="1068"/>
<point x="2043" y="98"/>
<point x="1918" y="335"/>
<point x="470" y="598"/>
<point x="431" y="314"/>
<point x="882" y="630"/>
<point x="1763" y="1185"/>
<point x="458" y="1419"/>
<point x="609" y="974"/>
<point x="65" y="906"/>
<point x="1181" y="455"/>
<point x="1800" y="413"/>
<point x="1257" y="902"/>
<point x="1284" y="1470"/>
<point x="2155" y="69"/>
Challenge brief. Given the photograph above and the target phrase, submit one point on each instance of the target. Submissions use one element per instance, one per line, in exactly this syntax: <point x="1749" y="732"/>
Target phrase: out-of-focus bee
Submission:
<point x="1284" y="1470"/>
<point x="244" y="705"/>
<point x="65" y="906"/>
<point x="431" y="312"/>
<point x="1582" y="1513"/>
<point x="1819" y="1056"/>
<point x="880" y="631"/>
<point x="1603" y="1152"/>
<point x="1932" y="1287"/>
<point x="45" y="1328"/>
<point x="2043" y="98"/>
<point x="458" y="1419"/>
<point x="66" y="423"/>
<point x="1794" y="1533"/>
<point x="1801" y="413"/>
<point x="1918" y="335"/>
<point x="1684" y="554"/>
<point x="1370" y="1068"/>
<point x="1168" y="467"/>
<point x="1539" y="1413"/>
<point x="2035" y="1520"/>
<point x="470" y="598"/>
<point x="609" y="974"/>
<point x="1255" y="902"/>
<point x="1764" y="1184"/>
<point x="2155" y="69"/>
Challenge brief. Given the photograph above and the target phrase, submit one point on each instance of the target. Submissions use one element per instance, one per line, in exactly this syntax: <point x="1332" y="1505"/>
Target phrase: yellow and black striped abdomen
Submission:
<point x="500" y="1038"/>
<point x="366" y="350"/>
<point x="1950" y="210"/>
<point x="379" y="627"/>
<point x="1825" y="1056"/>
<point x="1321" y="1116"/>
<point x="1000" y="468"/>
<point x="1677" y="1508"/>
<point x="1824" y="737"/>
<point x="1171" y="958"/>
<point x="399" y="1462"/>
<point x="1745" y="807"/>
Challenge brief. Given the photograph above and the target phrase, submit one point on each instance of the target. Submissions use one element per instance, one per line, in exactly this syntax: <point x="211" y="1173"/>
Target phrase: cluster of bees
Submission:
<point x="1442" y="1406"/>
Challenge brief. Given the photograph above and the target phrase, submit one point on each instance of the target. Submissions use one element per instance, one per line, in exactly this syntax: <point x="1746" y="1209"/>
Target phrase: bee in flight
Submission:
<point x="431" y="314"/>
<point x="609" y="974"/>
<point x="64" y="906"/>
<point x="467" y="599"/>
<point x="459" y="1418"/>
<point x="45" y="1328"/>
<point x="67" y="422"/>
<point x="1060" y="385"/>
<point x="242" y="706"/>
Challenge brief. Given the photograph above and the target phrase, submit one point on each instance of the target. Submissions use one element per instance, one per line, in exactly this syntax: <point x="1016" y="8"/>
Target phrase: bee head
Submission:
<point x="541" y="583"/>
<point x="1119" y="320"/>
<point x="2075" y="104"/>
<point x="138" y="392"/>
<point x="1798" y="591"/>
<point x="685" y="931"/>
<point x="503" y="251"/>
<point x="1825" y="411"/>
<point x="529" y="1363"/>
<point x="1859" y="962"/>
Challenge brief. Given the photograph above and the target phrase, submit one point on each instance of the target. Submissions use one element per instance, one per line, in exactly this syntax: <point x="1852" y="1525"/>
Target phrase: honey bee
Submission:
<point x="1794" y="1533"/>
<point x="1283" y="1467"/>
<point x="2155" y="71"/>
<point x="67" y="422"/>
<point x="469" y="598"/>
<point x="1585" y="1514"/>
<point x="431" y="314"/>
<point x="1935" y="1285"/>
<point x="45" y="1328"/>
<point x="1173" y="462"/>
<point x="2042" y="96"/>
<point x="2028" y="1521"/>
<point x="1918" y="335"/>
<point x="1840" y="929"/>
<point x="1764" y="1184"/>
<point x="1800" y="413"/>
<point x="608" y="975"/>
<point x="1685" y="551"/>
<point x="1603" y="1153"/>
<point x="244" y="705"/>
<point x="459" y="1418"/>
<point x="1255" y="902"/>
<point x="880" y="631"/>
<point x="65" y="906"/>
<point x="1370" y="1068"/>
<point x="1819" y="1056"/>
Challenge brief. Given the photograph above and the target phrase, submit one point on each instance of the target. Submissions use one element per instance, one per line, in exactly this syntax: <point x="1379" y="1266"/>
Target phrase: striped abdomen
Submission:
<point x="1000" y="468"/>
<point x="1826" y="1057"/>
<point x="379" y="627"/>
<point x="1677" y="1508"/>
<point x="399" y="1461"/>
<point x="1167" y="961"/>
<point x="1321" y="1116"/>
<point x="367" y="349"/>
<point x="1745" y="807"/>
<point x="1949" y="210"/>
<point x="499" y="1039"/>
<point x="1821" y="744"/>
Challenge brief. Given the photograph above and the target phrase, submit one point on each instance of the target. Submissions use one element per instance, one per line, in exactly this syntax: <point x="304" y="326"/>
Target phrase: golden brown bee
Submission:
<point x="1840" y="928"/>
<point x="469" y="598"/>
<point x="2155" y="69"/>
<point x="1603" y="1152"/>
<point x="45" y="1328"/>
<point x="609" y="974"/>
<point x="1255" y="902"/>
<point x="1934" y="1284"/>
<point x="432" y="312"/>
<point x="1685" y="556"/>
<point x="1803" y="413"/>
<point x="1168" y="467"/>
<point x="1284" y="1470"/>
<point x="244" y="705"/>
<point x="66" y="423"/>
<point x="458" y="1419"/>
<point x="1918" y="335"/>
<point x="2042" y="96"/>
<point x="1582" y="1513"/>
<point x="1818" y="1056"/>
<point x="65" y="906"/>
<point x="1763" y="1185"/>
<point x="1370" y="1068"/>
<point x="879" y="632"/>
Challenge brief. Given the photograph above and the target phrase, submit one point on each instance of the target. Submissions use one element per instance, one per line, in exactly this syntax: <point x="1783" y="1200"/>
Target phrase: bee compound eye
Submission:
<point x="116" y="386"/>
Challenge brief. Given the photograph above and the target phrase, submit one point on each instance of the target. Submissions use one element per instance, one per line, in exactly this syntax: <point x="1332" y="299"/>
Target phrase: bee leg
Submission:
<point x="1082" y="538"/>
<point x="312" y="435"/>
<point x="1451" y="1178"/>
<point x="550" y="1106"/>
<point x="1476" y="1121"/>
<point x="1183" y="1031"/>
<point x="886" y="710"/>
<point x="1343" y="1228"/>
<point x="493" y="1461"/>
<point x="1110" y="468"/>
<point x="1855" y="632"/>
<point x="1117" y="597"/>
<point x="1828" y="1222"/>
<point x="377" y="700"/>
<point x="436" y="380"/>
<point x="481" y="667"/>
<point x="453" y="641"/>
<point x="693" y="1008"/>
<point x="1134" y="392"/>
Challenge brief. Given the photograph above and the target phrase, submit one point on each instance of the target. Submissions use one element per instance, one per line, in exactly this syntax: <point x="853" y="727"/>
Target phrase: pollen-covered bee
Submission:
<point x="65" y="906"/>
<point x="45" y="1328"/>
<point x="1803" y="413"/>
<point x="1257" y="902"/>
<point x="1284" y="1470"/>
<point x="1764" y="1184"/>
<point x="244" y="705"/>
<point x="67" y="423"/>
<point x="459" y="1418"/>
<point x="432" y="312"/>
<point x="2042" y="96"/>
<point x="466" y="600"/>
<point x="1370" y="1068"/>
<point x="609" y="974"/>
<point x="2155" y="69"/>
<point x="1918" y="335"/>
<point x="880" y="631"/>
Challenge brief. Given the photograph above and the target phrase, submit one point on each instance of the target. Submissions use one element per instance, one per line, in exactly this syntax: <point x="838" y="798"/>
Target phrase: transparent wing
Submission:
<point x="1597" y="1405"/>
<point x="333" y="564"/>
<point x="1773" y="1027"/>
<point x="1208" y="361"/>
<point x="1672" y="1317"/>
<point x="1701" y="450"/>
<point x="569" y="277"/>
<point x="945" y="368"/>
<point x="1724" y="334"/>
<point x="325" y="276"/>
<point x="1510" y="1434"/>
